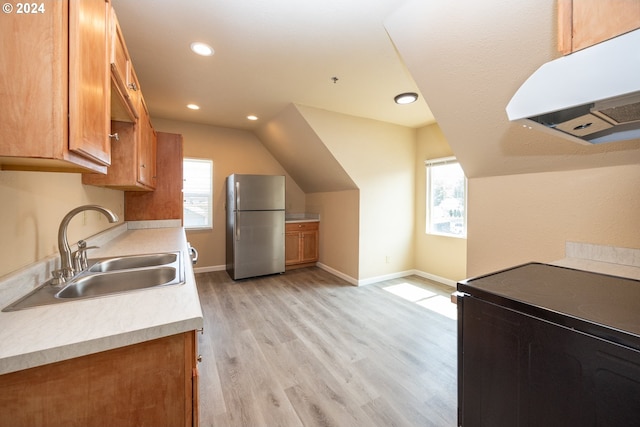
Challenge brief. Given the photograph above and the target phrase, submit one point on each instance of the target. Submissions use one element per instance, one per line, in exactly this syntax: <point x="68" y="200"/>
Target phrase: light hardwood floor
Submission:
<point x="308" y="349"/>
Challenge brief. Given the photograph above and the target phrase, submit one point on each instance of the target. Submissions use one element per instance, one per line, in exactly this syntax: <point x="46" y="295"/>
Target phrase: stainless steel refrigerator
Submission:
<point x="255" y="225"/>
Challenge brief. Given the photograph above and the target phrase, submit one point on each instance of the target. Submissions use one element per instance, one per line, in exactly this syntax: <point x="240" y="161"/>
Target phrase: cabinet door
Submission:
<point x="292" y="247"/>
<point x="146" y="149"/>
<point x="489" y="360"/>
<point x="33" y="75"/>
<point x="518" y="370"/>
<point x="89" y="89"/>
<point x="192" y="394"/>
<point x="309" y="249"/>
<point x="124" y="107"/>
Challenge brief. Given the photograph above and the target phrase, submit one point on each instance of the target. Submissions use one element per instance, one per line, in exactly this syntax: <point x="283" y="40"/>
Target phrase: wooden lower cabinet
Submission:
<point x="301" y="244"/>
<point x="153" y="383"/>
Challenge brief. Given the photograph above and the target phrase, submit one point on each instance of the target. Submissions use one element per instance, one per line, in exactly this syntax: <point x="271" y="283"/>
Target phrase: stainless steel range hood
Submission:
<point x="591" y="96"/>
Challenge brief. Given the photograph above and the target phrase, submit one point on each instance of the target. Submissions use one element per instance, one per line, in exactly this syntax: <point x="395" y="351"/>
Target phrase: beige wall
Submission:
<point x="520" y="218"/>
<point x="379" y="158"/>
<point x="439" y="256"/>
<point x="339" y="218"/>
<point x="232" y="151"/>
<point x="34" y="203"/>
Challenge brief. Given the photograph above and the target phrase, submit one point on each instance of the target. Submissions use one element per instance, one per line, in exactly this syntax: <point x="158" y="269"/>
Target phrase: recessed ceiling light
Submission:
<point x="406" y="98"/>
<point x="202" y="49"/>
<point x="252" y="117"/>
<point x="193" y="106"/>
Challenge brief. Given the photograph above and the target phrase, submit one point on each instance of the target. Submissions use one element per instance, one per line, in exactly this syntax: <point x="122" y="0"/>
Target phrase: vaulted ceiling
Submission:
<point x="268" y="54"/>
<point x="465" y="58"/>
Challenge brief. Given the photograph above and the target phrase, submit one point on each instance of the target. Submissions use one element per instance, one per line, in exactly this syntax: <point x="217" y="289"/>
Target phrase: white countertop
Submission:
<point x="41" y="335"/>
<point x="301" y="217"/>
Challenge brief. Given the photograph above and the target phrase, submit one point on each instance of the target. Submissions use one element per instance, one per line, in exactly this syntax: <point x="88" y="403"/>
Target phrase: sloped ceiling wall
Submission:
<point x="468" y="58"/>
<point x="291" y="140"/>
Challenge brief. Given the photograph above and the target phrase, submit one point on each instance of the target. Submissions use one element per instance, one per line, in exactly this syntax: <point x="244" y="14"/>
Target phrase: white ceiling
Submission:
<point x="268" y="54"/>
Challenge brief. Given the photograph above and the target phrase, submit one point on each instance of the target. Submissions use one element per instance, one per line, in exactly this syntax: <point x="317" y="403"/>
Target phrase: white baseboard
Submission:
<point x="340" y="274"/>
<point x="210" y="268"/>
<point x="397" y="275"/>
<point x="353" y="280"/>
<point x="448" y="282"/>
<point x="384" y="277"/>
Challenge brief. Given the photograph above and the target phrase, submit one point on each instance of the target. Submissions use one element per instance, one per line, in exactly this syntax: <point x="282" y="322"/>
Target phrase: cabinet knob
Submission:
<point x="133" y="86"/>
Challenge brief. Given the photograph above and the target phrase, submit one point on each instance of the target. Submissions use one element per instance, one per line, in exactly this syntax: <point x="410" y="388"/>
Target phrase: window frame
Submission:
<point x="209" y="195"/>
<point x="429" y="167"/>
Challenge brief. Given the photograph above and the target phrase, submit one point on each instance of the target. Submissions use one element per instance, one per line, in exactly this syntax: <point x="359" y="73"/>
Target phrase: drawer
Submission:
<point x="301" y="226"/>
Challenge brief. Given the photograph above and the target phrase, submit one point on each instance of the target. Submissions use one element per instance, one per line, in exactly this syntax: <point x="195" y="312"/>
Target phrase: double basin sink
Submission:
<point x="108" y="276"/>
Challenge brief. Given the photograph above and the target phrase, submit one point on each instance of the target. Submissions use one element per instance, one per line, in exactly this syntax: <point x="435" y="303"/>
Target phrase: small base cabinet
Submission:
<point x="153" y="383"/>
<point x="301" y="244"/>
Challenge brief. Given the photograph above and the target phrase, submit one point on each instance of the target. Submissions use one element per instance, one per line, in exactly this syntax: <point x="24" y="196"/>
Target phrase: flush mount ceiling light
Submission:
<point x="193" y="106"/>
<point x="406" y="98"/>
<point x="252" y="117"/>
<point x="201" y="49"/>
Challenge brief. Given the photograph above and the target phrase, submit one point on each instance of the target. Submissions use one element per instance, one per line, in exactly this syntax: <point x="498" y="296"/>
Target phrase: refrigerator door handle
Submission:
<point x="237" y="207"/>
<point x="237" y="225"/>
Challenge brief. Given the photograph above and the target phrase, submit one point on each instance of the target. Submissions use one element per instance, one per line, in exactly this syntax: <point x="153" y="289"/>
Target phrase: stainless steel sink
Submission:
<point x="134" y="261"/>
<point x="95" y="285"/>
<point x="109" y="276"/>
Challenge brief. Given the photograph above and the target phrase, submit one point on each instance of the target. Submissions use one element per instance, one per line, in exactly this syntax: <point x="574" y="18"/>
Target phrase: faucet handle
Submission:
<point x="59" y="277"/>
<point x="80" y="256"/>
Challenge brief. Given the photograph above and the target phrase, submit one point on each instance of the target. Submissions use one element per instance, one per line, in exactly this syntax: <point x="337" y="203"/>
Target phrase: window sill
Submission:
<point x="454" y="236"/>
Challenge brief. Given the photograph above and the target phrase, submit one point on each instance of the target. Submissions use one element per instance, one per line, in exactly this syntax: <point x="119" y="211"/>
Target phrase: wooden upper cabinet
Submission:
<point x="166" y="201"/>
<point x="583" y="23"/>
<point x="124" y="83"/>
<point x="89" y="100"/>
<point x="54" y="87"/>
<point x="134" y="157"/>
<point x="134" y="152"/>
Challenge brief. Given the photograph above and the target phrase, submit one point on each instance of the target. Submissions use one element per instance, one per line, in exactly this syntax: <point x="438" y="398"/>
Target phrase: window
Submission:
<point x="446" y="198"/>
<point x="197" y="193"/>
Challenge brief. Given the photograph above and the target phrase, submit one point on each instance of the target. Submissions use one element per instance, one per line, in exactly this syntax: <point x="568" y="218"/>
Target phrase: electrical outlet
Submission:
<point x="387" y="259"/>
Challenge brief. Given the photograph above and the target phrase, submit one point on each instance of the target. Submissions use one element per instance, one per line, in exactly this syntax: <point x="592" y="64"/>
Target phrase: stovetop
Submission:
<point x="552" y="292"/>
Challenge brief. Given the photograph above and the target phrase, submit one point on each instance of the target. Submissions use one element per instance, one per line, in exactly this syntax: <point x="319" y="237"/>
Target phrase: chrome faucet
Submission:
<point x="66" y="266"/>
